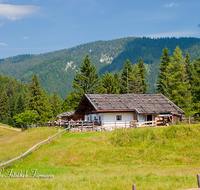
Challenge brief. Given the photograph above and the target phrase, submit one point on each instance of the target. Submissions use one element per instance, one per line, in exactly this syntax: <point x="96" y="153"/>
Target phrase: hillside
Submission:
<point x="56" y="70"/>
<point x="151" y="158"/>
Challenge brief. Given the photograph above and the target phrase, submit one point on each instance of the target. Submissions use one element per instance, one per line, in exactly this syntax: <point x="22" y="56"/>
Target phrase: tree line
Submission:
<point x="25" y="104"/>
<point x="178" y="79"/>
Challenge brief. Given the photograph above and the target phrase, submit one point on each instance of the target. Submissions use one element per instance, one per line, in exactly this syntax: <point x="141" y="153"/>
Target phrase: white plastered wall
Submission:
<point x="109" y="119"/>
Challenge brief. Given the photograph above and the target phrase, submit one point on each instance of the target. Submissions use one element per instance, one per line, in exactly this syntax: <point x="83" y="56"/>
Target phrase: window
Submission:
<point x="99" y="118"/>
<point x="118" y="117"/>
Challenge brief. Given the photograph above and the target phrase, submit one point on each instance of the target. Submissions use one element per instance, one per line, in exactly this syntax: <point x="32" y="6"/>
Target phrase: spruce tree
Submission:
<point x="189" y="68"/>
<point x="86" y="81"/>
<point x="196" y="84"/>
<point x="4" y="108"/>
<point x="162" y="76"/>
<point x="125" y="77"/>
<point x="117" y="82"/>
<point x="20" y="104"/>
<point x="109" y="83"/>
<point x="37" y="101"/>
<point x="55" y="104"/>
<point x="178" y="87"/>
<point x="135" y="82"/>
<point x="142" y="75"/>
<point x="71" y="102"/>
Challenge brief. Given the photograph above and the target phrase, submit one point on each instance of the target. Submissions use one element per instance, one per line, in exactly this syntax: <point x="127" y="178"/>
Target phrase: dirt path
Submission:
<point x="11" y="128"/>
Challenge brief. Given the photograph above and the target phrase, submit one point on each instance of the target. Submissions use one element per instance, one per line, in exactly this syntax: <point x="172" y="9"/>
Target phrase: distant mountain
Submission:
<point x="56" y="70"/>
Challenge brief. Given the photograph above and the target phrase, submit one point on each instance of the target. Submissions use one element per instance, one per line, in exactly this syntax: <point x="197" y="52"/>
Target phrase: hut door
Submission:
<point x="149" y="117"/>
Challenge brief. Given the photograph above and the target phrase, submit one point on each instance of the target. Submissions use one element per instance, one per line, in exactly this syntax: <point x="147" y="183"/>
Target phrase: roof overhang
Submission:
<point x="105" y="111"/>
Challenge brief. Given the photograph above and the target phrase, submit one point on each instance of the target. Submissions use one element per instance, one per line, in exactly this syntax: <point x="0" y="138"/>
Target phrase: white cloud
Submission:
<point x="171" y="5"/>
<point x="25" y="38"/>
<point x="173" y="34"/>
<point x="15" y="12"/>
<point x="3" y="44"/>
<point x="102" y="11"/>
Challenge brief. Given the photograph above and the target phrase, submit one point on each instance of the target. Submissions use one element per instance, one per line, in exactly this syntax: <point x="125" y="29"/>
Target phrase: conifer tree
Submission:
<point x="142" y="75"/>
<point x="4" y="108"/>
<point x="125" y="77"/>
<point x="117" y="82"/>
<point x="71" y="102"/>
<point x="37" y="101"/>
<point x="162" y="76"/>
<point x="196" y="84"/>
<point x="178" y="85"/>
<point x="86" y="81"/>
<point x="55" y="104"/>
<point x="109" y="83"/>
<point x="189" y="68"/>
<point x="20" y="105"/>
<point x="135" y="82"/>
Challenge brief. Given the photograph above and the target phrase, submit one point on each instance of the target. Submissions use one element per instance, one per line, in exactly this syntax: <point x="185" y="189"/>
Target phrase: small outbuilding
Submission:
<point x="69" y="115"/>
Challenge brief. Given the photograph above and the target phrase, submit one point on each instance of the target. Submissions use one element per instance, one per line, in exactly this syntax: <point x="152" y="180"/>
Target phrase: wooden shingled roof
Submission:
<point x="65" y="114"/>
<point x="141" y="103"/>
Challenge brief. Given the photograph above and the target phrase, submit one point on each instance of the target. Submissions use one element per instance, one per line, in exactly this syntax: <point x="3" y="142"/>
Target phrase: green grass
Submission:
<point x="151" y="158"/>
<point x="6" y="133"/>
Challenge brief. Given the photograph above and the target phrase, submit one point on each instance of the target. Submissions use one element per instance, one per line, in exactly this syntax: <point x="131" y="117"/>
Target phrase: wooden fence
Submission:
<point x="95" y="126"/>
<point x="35" y="146"/>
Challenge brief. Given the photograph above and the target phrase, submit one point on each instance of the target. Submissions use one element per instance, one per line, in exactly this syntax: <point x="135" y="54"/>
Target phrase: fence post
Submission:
<point x="125" y="124"/>
<point x="198" y="180"/>
<point x="93" y="125"/>
<point x="189" y="119"/>
<point x="133" y="187"/>
<point x="59" y="133"/>
<point x="115" y="124"/>
<point x="36" y="146"/>
<point x="21" y="157"/>
<point x="82" y="126"/>
<point x="3" y="168"/>
<point x="69" y="124"/>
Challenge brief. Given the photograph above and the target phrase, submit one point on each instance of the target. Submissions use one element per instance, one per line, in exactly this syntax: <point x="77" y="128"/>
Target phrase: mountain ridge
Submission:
<point x="56" y="69"/>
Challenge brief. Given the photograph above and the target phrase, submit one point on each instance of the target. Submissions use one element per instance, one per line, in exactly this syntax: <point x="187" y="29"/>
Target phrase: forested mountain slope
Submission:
<point x="56" y="70"/>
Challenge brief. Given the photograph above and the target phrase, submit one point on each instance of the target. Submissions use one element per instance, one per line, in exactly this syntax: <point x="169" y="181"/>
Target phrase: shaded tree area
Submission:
<point x="17" y="99"/>
<point x="179" y="80"/>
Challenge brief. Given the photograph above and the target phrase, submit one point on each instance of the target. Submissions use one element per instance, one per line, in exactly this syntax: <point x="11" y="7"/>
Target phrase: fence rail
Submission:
<point x="35" y="146"/>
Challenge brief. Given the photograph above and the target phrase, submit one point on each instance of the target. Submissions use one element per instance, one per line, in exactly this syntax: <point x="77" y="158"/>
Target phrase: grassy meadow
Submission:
<point x="151" y="158"/>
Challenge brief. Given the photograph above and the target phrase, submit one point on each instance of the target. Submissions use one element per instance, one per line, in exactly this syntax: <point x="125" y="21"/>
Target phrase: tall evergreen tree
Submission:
<point x="196" y="84"/>
<point x="178" y="86"/>
<point x="162" y="76"/>
<point x="142" y="75"/>
<point x="135" y="82"/>
<point x="20" y="105"/>
<point x="117" y="82"/>
<point x="4" y="108"/>
<point x="86" y="81"/>
<point x="37" y="101"/>
<point x="71" y="102"/>
<point x="55" y="104"/>
<point x="189" y="68"/>
<point x="125" y="77"/>
<point x="109" y="83"/>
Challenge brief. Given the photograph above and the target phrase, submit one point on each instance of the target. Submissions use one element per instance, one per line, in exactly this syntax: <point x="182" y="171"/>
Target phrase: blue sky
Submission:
<point x="39" y="26"/>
